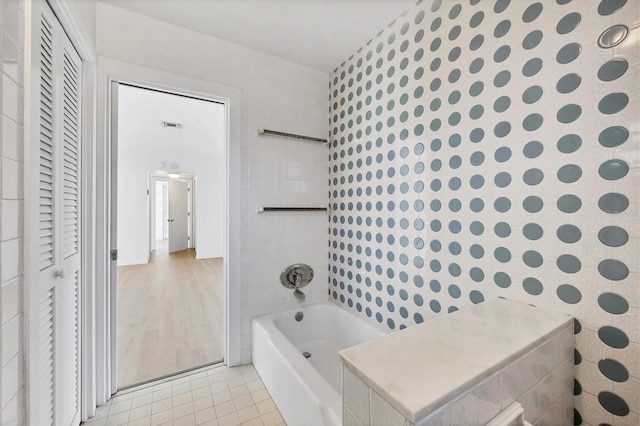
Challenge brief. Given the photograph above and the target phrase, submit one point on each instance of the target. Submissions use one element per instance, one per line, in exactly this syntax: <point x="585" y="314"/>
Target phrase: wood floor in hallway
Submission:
<point x="169" y="316"/>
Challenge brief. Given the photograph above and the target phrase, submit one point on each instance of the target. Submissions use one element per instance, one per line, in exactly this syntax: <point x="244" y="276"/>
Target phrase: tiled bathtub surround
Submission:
<point x="477" y="362"/>
<point x="490" y="148"/>
<point x="546" y="397"/>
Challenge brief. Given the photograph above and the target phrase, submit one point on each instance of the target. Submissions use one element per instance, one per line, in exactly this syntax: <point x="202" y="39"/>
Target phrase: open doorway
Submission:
<point x="170" y="269"/>
<point x="172" y="219"/>
<point x="160" y="220"/>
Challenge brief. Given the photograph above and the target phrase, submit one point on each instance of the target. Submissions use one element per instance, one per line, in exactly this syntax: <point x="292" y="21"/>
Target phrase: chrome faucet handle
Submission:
<point x="297" y="275"/>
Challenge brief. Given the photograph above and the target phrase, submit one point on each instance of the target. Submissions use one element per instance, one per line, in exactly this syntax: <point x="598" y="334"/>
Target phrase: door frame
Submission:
<point x="152" y="209"/>
<point x="153" y="183"/>
<point x="112" y="71"/>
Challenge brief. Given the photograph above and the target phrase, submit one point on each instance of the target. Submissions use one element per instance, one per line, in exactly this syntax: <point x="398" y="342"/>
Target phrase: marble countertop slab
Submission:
<point x="421" y="368"/>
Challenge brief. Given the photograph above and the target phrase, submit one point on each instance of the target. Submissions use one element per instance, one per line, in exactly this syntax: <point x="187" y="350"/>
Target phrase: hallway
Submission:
<point x="169" y="315"/>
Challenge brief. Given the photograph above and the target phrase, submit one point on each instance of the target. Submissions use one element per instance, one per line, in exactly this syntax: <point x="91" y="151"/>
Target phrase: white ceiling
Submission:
<point x="320" y="34"/>
<point x="141" y="112"/>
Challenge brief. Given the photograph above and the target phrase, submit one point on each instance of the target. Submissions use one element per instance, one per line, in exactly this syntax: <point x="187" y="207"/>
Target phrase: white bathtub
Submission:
<point x="308" y="391"/>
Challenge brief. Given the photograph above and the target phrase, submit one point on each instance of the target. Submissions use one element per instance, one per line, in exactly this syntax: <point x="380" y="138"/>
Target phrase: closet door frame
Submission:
<point x="82" y="40"/>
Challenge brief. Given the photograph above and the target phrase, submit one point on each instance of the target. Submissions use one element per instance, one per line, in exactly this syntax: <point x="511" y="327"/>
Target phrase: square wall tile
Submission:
<point x="355" y="395"/>
<point x="629" y="390"/>
<point x="11" y="381"/>
<point x="383" y="414"/>
<point x="518" y="377"/>
<point x="10" y="19"/>
<point x="529" y="402"/>
<point x="11" y="212"/>
<point x="440" y="417"/>
<point x="11" y="179"/>
<point x="10" y="260"/>
<point x="553" y="352"/>
<point x="11" y="98"/>
<point x="560" y="412"/>
<point x="348" y="418"/>
<point x="464" y="410"/>
<point x="10" y="337"/>
<point x="554" y="385"/>
<point x="589" y="408"/>
<point x="11" y="59"/>
<point x="488" y="396"/>
<point x="11" y="300"/>
<point x="12" y="146"/>
<point x="12" y="413"/>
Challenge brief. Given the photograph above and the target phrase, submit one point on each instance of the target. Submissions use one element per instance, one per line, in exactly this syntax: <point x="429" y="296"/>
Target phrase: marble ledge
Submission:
<point x="419" y="369"/>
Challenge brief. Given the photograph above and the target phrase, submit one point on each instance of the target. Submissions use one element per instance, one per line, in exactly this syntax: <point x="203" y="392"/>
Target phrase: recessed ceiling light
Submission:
<point x="174" y="175"/>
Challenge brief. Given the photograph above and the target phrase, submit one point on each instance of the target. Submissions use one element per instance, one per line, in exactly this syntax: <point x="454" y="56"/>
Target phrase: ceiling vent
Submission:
<point x="174" y="125"/>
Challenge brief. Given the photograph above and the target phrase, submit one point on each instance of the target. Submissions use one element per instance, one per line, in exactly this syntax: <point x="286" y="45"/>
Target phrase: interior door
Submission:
<point x="178" y="215"/>
<point x="54" y="293"/>
<point x="68" y="412"/>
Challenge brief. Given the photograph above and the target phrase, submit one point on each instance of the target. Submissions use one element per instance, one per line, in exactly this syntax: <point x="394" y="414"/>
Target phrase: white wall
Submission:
<point x="197" y="148"/>
<point x="83" y="12"/>
<point x="276" y="94"/>
<point x="11" y="209"/>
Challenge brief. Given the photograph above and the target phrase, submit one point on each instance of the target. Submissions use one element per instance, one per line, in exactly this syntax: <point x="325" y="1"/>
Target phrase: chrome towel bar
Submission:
<point x="267" y="132"/>
<point x="262" y="209"/>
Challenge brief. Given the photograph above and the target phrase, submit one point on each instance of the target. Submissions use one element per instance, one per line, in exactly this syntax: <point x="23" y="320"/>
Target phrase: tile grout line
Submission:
<point x="224" y="397"/>
<point x="173" y="378"/>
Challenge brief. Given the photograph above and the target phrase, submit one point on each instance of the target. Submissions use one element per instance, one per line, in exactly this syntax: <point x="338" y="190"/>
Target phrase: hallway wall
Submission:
<point x="490" y="148"/>
<point x="11" y="210"/>
<point x="276" y="94"/>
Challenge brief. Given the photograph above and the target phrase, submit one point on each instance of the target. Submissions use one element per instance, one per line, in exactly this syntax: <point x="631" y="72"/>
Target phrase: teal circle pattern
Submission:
<point x="503" y="155"/>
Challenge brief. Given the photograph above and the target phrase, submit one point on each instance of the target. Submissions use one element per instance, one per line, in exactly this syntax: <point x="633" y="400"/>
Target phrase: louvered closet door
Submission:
<point x="54" y="297"/>
<point x="69" y="285"/>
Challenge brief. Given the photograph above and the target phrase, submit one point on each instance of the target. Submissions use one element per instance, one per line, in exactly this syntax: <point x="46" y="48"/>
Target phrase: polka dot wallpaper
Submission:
<point x="484" y="148"/>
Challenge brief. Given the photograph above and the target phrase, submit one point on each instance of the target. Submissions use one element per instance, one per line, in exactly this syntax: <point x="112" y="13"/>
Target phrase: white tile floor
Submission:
<point x="214" y="396"/>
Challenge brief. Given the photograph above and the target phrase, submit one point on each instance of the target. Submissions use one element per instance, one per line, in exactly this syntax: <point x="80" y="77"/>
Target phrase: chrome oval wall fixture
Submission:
<point x="613" y="36"/>
<point x="296" y="276"/>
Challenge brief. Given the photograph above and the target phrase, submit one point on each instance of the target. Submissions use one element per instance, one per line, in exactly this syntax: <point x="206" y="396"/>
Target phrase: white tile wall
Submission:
<point x="383" y="140"/>
<point x="276" y="94"/>
<point x="488" y="396"/>
<point x="348" y="418"/>
<point x="382" y="413"/>
<point x="356" y="396"/>
<point x="11" y="201"/>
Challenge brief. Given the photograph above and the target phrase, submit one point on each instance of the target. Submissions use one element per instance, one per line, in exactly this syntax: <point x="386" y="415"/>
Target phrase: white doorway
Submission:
<point x="171" y="212"/>
<point x="178" y="215"/>
<point x="115" y="73"/>
<point x="170" y="300"/>
<point x="160" y="220"/>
